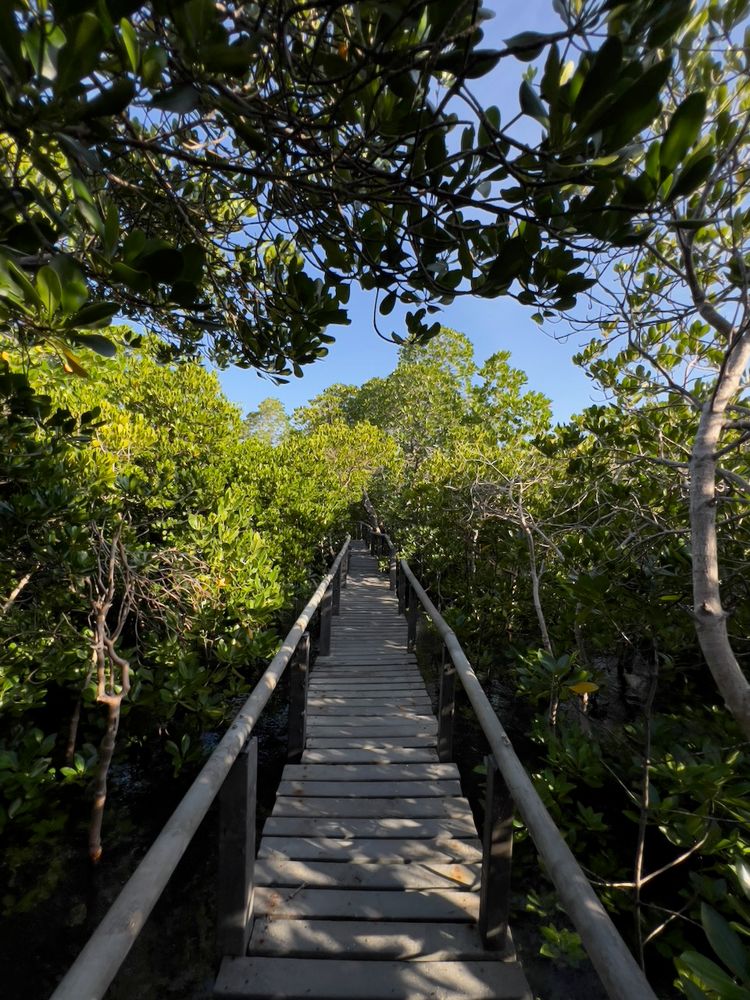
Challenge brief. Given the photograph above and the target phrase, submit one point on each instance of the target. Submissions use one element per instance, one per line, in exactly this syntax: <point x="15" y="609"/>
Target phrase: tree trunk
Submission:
<point x="106" y="750"/>
<point x="710" y="616"/>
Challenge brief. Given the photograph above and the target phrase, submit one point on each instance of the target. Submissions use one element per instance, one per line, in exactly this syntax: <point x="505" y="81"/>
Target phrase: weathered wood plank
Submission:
<point x="317" y="979"/>
<point x="353" y="939"/>
<point x="373" y="755"/>
<point x="355" y="789"/>
<point x="390" y="773"/>
<point x="427" y="905"/>
<point x="395" y="807"/>
<point x="359" y="743"/>
<point x="319" y="725"/>
<point x="388" y="827"/>
<point x="280" y="871"/>
<point x="342" y="849"/>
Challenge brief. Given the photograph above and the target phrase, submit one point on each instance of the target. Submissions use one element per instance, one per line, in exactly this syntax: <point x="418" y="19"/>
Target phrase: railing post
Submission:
<point x="497" y="852"/>
<point x="299" y="674"/>
<point x="237" y="852"/>
<point x="336" y="592"/>
<point x="411" y="619"/>
<point x="401" y="589"/>
<point x="324" y="639"/>
<point x="345" y="568"/>
<point x="373" y="542"/>
<point x="392" y="570"/>
<point x="447" y="707"/>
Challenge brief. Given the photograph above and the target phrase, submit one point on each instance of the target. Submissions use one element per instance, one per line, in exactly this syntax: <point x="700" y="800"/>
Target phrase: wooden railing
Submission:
<point x="508" y="784"/>
<point x="231" y="770"/>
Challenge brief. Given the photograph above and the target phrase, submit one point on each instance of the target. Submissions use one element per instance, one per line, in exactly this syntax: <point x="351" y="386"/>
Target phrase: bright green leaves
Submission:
<point x="531" y="105"/>
<point x="81" y="52"/>
<point x="683" y="131"/>
<point x="131" y="44"/>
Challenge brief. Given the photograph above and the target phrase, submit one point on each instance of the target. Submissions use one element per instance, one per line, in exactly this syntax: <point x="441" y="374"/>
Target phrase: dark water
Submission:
<point x="174" y="956"/>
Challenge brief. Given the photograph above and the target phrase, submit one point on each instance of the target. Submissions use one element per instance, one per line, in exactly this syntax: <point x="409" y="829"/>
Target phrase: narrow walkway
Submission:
<point x="367" y="879"/>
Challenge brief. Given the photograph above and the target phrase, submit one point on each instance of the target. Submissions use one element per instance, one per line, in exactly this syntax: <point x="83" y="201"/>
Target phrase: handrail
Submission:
<point x="97" y="964"/>
<point x="618" y="970"/>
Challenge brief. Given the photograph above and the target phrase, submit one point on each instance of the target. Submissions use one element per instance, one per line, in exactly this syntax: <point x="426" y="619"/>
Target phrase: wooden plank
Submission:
<point x="360" y="743"/>
<point x="364" y="789"/>
<point x="369" y="849"/>
<point x="373" y="755"/>
<point x="386" y="827"/>
<point x="390" y="773"/>
<point x="396" y="722"/>
<point x="395" y="807"/>
<point x="340" y="713"/>
<point x="428" y="905"/>
<point x="354" y="939"/>
<point x="412" y="701"/>
<point x="316" y="979"/>
<point x="362" y="729"/>
<point x="280" y="871"/>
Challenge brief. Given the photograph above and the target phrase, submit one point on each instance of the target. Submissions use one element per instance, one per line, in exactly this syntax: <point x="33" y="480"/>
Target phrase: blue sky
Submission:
<point x="492" y="325"/>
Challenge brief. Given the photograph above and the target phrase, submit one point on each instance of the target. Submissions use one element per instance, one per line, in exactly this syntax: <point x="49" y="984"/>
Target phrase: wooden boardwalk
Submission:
<point x="367" y="878"/>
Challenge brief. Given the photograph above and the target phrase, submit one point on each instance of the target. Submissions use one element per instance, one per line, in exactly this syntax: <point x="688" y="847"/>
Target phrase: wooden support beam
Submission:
<point x="447" y="706"/>
<point x="298" y="678"/>
<point x="324" y="639"/>
<point x="336" y="592"/>
<point x="411" y="633"/>
<point x="401" y="588"/>
<point x="237" y="853"/>
<point x="497" y="853"/>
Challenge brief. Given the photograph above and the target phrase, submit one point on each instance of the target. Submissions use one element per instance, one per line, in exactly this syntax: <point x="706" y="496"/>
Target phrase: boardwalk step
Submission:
<point x="369" y="826"/>
<point x="370" y="772"/>
<point x="427" y="905"/>
<point x="280" y="871"/>
<point x="395" y="807"/>
<point x="317" y="979"/>
<point x="370" y="849"/>
<point x="360" y="939"/>
<point x="357" y="789"/>
<point x="359" y="742"/>
<point x="371" y="755"/>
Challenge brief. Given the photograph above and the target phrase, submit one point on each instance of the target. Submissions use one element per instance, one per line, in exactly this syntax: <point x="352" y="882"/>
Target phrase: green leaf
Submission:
<point x="725" y="942"/>
<point x="601" y="76"/>
<point x="80" y="54"/>
<point x="531" y="105"/>
<point x="526" y="45"/>
<point x="153" y="64"/>
<point x="110" y="102"/>
<point x="95" y="342"/>
<point x="692" y="176"/>
<point x="180" y="100"/>
<point x="136" y="281"/>
<point x="710" y="975"/>
<point x="130" y="41"/>
<point x="684" y="129"/>
<point x="49" y="288"/>
<point x="92" y="316"/>
<point x="386" y="306"/>
<point x="72" y="283"/>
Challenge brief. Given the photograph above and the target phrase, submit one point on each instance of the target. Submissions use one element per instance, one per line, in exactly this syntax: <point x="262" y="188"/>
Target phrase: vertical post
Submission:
<point x="447" y="707"/>
<point x="401" y="589"/>
<point x="237" y="853"/>
<point x="345" y="567"/>
<point x="497" y="852"/>
<point x="324" y="639"/>
<point x="411" y="619"/>
<point x="392" y="571"/>
<point x="373" y="542"/>
<point x="298" y="677"/>
<point x="336" y="591"/>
